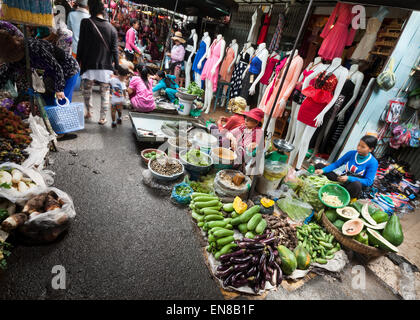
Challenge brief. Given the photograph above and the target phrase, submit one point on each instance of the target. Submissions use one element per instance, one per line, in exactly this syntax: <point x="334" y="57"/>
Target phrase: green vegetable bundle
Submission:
<point x="294" y="208"/>
<point x="321" y="245"/>
<point x="197" y="158"/>
<point x="310" y="188"/>
<point x="194" y="89"/>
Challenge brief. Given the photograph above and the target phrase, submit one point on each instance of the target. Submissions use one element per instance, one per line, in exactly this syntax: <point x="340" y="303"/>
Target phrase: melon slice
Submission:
<point x="352" y="227"/>
<point x="366" y="215"/>
<point x="379" y="226"/>
<point x="348" y="213"/>
<point x="377" y="240"/>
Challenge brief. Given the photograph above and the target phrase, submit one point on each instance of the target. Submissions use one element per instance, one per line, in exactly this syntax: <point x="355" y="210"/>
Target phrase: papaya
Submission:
<point x="303" y="258"/>
<point x="393" y="231"/>
<point x="288" y="260"/>
<point x="331" y="215"/>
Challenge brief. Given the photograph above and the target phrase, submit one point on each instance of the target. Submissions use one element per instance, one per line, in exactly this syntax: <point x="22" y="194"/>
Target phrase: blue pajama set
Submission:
<point x="170" y="92"/>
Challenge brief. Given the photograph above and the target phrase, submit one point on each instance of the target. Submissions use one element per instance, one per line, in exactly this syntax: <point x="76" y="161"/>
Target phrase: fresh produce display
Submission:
<point x="267" y="205"/>
<point x="376" y="240"/>
<point x="150" y="154"/>
<point x="347" y="213"/>
<point x="284" y="232"/>
<point x="288" y="260"/>
<point x="239" y="206"/>
<point x="197" y="158"/>
<point x="331" y="200"/>
<point x="366" y="215"/>
<point x="166" y="166"/>
<point x="308" y="192"/>
<point x="320" y="244"/>
<point x="294" y="208"/>
<point x="183" y="191"/>
<point x="37" y="205"/>
<point x="253" y="263"/>
<point x="4" y="253"/>
<point x="338" y="224"/>
<point x="362" y="237"/>
<point x="352" y="227"/>
<point x="303" y="258"/>
<point x="16" y="180"/>
<point x="393" y="231"/>
<point x="331" y="215"/>
<point x="246" y="216"/>
<point x="194" y="89"/>
<point x="12" y="152"/>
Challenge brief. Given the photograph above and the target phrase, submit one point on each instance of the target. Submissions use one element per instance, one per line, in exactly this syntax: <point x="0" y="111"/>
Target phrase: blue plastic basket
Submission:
<point x="66" y="118"/>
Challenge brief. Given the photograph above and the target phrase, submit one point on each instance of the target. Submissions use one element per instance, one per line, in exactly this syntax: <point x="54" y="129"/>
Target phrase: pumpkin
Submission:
<point x="239" y="206"/>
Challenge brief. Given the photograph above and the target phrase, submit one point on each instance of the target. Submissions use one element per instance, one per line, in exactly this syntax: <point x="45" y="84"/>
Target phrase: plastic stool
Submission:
<point x="220" y="95"/>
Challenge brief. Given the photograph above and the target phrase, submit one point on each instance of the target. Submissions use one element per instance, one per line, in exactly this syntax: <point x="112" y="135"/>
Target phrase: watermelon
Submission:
<point x="303" y="258"/>
<point x="376" y="240"/>
<point x="393" y="231"/>
<point x="288" y="260"/>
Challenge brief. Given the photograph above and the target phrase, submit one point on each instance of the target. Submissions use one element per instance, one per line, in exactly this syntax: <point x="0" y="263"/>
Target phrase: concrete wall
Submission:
<point x="405" y="55"/>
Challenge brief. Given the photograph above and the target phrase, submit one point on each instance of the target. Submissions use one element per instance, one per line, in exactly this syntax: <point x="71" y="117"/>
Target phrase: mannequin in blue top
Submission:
<point x="167" y="82"/>
<point x="360" y="167"/>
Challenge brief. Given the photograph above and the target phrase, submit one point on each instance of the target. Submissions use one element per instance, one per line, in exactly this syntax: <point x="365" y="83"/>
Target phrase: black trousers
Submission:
<point x="354" y="188"/>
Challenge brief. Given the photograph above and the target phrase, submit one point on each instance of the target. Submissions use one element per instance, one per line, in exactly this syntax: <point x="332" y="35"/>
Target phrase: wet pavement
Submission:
<point x="127" y="242"/>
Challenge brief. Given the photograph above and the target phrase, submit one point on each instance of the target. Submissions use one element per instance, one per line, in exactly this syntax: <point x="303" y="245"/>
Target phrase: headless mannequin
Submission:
<point x="262" y="54"/>
<point x="315" y="65"/>
<point x="263" y="87"/>
<point x="247" y="49"/>
<point x="209" y="84"/>
<point x="188" y="65"/>
<point x="272" y="125"/>
<point x="207" y="41"/>
<point x="305" y="132"/>
<point x="234" y="45"/>
<point x="357" y="77"/>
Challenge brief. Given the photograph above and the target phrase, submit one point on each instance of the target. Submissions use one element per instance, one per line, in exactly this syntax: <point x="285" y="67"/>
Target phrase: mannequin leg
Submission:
<point x="263" y="87"/>
<point x="300" y="128"/>
<point x="293" y="119"/>
<point x="304" y="145"/>
<point x="197" y="79"/>
<point x="209" y="98"/>
<point x="290" y="127"/>
<point x="270" y="129"/>
<point x="188" y="66"/>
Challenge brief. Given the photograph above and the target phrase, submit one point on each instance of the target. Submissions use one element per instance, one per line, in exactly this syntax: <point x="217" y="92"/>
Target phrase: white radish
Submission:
<point x="22" y="187"/>
<point x="5" y="177"/>
<point x="16" y="176"/>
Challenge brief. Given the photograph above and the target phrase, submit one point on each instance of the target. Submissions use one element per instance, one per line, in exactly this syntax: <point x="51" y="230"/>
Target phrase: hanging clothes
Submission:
<point x="317" y="98"/>
<point x="368" y="41"/>
<point x="338" y="32"/>
<point x="264" y="29"/>
<point x="256" y="22"/>
<point x="200" y="53"/>
<point x="215" y="52"/>
<point x="271" y="64"/>
<point x="224" y="74"/>
<point x="267" y="102"/>
<point x="236" y="82"/>
<point x="275" y="41"/>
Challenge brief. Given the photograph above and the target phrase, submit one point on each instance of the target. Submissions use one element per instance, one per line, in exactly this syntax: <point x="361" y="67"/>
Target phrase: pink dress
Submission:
<point x="338" y="32"/>
<point x="215" y="52"/>
<point x="143" y="100"/>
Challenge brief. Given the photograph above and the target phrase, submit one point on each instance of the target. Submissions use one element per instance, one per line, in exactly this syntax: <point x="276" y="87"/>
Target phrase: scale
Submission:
<point x="282" y="147"/>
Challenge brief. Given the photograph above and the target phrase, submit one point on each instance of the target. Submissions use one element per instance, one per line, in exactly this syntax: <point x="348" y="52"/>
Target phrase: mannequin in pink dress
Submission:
<point x="273" y="60"/>
<point x="267" y="102"/>
<point x="226" y="70"/>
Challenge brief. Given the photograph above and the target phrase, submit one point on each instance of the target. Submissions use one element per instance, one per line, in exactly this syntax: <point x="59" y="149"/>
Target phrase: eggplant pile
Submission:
<point x="255" y="263"/>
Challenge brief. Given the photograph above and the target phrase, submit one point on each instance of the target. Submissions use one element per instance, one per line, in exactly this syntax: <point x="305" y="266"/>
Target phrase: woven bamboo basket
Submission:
<point x="368" y="251"/>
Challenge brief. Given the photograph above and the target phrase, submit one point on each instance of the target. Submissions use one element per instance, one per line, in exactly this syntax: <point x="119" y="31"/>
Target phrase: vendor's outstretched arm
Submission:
<point x="338" y="163"/>
<point x="159" y="86"/>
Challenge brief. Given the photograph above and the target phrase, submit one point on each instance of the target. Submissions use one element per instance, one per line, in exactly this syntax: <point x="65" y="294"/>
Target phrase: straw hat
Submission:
<point x="178" y="36"/>
<point x="237" y="105"/>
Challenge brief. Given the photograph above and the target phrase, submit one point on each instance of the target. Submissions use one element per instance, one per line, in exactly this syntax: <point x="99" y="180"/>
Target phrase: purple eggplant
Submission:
<point x="261" y="263"/>
<point x="251" y="272"/>
<point x="276" y="253"/>
<point x="250" y="245"/>
<point x="261" y="237"/>
<point x="279" y="273"/>
<point x="254" y="251"/>
<point x="243" y="266"/>
<point x="262" y="283"/>
<point x="227" y="256"/>
<point x="247" y="240"/>
<point x="268" y="240"/>
<point x="227" y="281"/>
<point x="239" y="260"/>
<point x="271" y="256"/>
<point x="225" y="273"/>
<point x="224" y="267"/>
<point x="239" y="282"/>
<point x="269" y="275"/>
<point x="273" y="280"/>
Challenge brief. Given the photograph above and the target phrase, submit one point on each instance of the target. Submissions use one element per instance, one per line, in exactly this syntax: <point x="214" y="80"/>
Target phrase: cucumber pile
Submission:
<point x="206" y="211"/>
<point x="321" y="245"/>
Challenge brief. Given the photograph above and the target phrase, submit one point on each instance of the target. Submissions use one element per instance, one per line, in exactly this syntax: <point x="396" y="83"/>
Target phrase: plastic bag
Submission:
<point x="275" y="170"/>
<point x="179" y="198"/>
<point x="386" y="80"/>
<point x="47" y="226"/>
<point x="296" y="210"/>
<point x="14" y="195"/>
<point x="226" y="188"/>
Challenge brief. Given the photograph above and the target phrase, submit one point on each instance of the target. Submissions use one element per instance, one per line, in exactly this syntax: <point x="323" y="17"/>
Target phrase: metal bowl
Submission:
<point x="160" y="177"/>
<point x="196" y="170"/>
<point x="318" y="160"/>
<point x="283" y="145"/>
<point x="185" y="96"/>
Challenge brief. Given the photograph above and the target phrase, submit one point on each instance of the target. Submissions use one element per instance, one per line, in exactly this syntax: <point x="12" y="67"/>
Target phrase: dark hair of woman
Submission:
<point x="96" y="7"/>
<point x="371" y="141"/>
<point x="133" y="22"/>
<point x="12" y="47"/>
<point x="144" y="72"/>
<point x="169" y="82"/>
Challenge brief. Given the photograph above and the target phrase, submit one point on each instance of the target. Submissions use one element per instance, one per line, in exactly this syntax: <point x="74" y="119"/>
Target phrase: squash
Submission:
<point x="239" y="206"/>
<point x="288" y="260"/>
<point x="303" y="258"/>
<point x="393" y="231"/>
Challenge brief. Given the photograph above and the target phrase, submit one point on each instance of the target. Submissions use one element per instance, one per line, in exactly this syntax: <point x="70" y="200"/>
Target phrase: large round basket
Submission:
<point x="368" y="251"/>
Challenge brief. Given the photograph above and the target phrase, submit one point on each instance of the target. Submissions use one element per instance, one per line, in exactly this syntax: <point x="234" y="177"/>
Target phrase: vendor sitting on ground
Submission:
<point x="166" y="82"/>
<point x="140" y="90"/>
<point x="247" y="139"/>
<point x="237" y="106"/>
<point x="360" y="170"/>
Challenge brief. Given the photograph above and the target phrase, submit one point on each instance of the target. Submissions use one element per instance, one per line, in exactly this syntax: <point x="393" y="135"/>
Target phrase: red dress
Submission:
<point x="317" y="99"/>
<point x="264" y="29"/>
